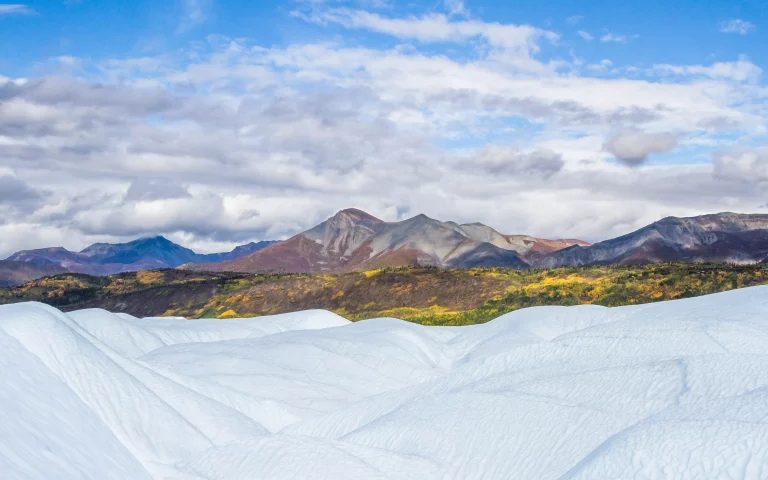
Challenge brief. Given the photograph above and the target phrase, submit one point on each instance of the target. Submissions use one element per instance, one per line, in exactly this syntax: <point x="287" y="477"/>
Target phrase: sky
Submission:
<point x="217" y="122"/>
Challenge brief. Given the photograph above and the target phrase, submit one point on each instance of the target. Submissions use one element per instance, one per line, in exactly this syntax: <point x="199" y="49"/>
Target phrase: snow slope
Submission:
<point x="668" y="390"/>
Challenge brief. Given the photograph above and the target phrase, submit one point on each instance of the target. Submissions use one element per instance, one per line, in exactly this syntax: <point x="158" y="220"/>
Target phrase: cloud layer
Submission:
<point x="230" y="140"/>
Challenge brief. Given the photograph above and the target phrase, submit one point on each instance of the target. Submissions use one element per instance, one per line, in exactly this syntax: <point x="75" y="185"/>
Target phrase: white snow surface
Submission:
<point x="672" y="390"/>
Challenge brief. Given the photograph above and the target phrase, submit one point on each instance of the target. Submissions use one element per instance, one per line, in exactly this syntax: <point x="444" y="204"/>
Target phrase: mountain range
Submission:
<point x="353" y="240"/>
<point x="722" y="237"/>
<point x="105" y="258"/>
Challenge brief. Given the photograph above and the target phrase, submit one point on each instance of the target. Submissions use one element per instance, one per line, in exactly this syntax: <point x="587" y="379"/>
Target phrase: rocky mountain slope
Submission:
<point x="721" y="237"/>
<point x="355" y="240"/>
<point x="16" y="273"/>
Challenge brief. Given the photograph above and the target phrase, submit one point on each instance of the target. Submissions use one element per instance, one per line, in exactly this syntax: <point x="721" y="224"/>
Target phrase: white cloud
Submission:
<point x="455" y="7"/>
<point x="745" y="165"/>
<point x="604" y="65"/>
<point x="614" y="38"/>
<point x="585" y="35"/>
<point x="438" y="28"/>
<point x="233" y="141"/>
<point x="499" y="160"/>
<point x="742" y="27"/>
<point x="15" y="8"/>
<point x="67" y="60"/>
<point x="740" y="71"/>
<point x="633" y="147"/>
<point x="511" y="45"/>
<point x="574" y="19"/>
<point x="195" y="12"/>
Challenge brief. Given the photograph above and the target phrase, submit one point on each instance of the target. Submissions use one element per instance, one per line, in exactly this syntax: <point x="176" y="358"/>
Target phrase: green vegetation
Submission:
<point x="423" y="295"/>
<point x="608" y="286"/>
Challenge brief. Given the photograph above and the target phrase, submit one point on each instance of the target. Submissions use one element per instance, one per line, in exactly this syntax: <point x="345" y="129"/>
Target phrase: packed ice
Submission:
<point x="667" y="390"/>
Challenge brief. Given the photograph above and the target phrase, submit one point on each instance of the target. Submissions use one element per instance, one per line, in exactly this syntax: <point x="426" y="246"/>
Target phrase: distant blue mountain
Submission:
<point x="141" y="254"/>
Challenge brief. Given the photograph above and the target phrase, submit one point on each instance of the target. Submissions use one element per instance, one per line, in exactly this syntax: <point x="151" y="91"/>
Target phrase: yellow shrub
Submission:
<point x="228" y="314"/>
<point x="148" y="276"/>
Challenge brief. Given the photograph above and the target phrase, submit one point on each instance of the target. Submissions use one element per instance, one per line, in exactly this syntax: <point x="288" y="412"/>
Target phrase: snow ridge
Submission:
<point x="668" y="390"/>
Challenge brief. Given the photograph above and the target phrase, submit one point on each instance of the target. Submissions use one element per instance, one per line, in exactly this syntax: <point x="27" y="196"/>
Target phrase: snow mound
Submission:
<point x="667" y="390"/>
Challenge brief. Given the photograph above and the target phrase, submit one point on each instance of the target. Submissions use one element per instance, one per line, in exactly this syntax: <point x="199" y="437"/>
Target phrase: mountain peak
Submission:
<point x="152" y="238"/>
<point x="420" y="218"/>
<point x="143" y="242"/>
<point x="357" y="214"/>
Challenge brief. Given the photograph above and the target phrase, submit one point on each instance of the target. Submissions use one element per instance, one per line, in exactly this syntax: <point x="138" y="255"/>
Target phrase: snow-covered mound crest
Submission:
<point x="668" y="390"/>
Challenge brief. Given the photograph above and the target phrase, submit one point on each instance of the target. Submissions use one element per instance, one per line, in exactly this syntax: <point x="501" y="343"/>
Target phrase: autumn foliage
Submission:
<point x="424" y="295"/>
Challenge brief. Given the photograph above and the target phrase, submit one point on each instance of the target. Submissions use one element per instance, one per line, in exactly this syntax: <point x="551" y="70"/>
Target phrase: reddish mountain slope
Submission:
<point x="355" y="240"/>
<point x="18" y="273"/>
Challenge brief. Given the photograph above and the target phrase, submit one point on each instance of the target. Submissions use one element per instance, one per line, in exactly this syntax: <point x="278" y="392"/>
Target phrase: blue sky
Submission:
<point x="668" y="32"/>
<point x="217" y="122"/>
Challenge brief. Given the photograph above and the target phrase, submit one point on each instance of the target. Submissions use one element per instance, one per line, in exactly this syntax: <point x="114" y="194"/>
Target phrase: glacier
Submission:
<point x="660" y="391"/>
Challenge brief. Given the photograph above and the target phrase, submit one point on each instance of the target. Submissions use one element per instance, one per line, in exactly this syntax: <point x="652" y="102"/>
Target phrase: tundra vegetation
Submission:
<point x="429" y="296"/>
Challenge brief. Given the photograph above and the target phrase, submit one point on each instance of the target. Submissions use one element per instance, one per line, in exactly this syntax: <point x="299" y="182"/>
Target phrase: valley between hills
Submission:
<point x="425" y="295"/>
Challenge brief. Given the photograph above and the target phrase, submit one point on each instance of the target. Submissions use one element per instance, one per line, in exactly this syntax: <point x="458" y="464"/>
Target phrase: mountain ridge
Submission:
<point x="144" y="253"/>
<point x="720" y="237"/>
<point x="17" y="273"/>
<point x="353" y="240"/>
